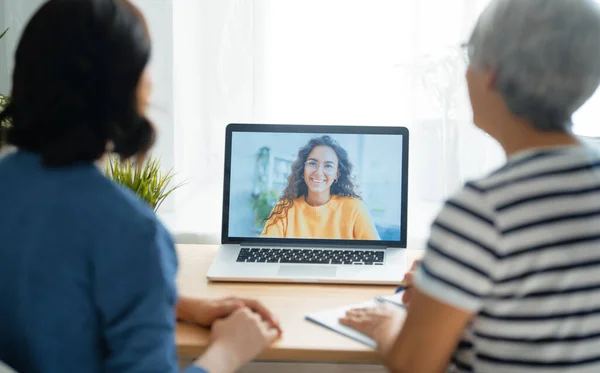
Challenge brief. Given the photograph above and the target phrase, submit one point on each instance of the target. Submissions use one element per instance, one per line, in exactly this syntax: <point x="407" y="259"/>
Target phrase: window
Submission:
<point x="376" y="62"/>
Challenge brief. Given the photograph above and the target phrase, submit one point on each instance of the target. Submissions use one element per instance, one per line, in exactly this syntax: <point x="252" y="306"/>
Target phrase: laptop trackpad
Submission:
<point x="307" y="271"/>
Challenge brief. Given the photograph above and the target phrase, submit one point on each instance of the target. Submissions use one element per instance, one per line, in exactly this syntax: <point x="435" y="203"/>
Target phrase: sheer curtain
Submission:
<point x="359" y="62"/>
<point x="365" y="62"/>
<point x="376" y="62"/>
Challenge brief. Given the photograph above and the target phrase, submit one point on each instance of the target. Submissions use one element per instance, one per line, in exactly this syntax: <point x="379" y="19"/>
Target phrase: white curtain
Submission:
<point x="375" y="62"/>
<point x="359" y="62"/>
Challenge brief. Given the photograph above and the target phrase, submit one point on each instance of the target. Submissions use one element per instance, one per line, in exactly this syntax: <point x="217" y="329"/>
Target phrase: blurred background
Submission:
<point x="255" y="61"/>
<point x="261" y="164"/>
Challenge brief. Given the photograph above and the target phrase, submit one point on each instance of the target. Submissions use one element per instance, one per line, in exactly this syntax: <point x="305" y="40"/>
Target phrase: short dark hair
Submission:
<point x="77" y="68"/>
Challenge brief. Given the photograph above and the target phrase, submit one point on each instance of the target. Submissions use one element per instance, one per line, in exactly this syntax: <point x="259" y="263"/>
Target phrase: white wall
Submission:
<point x="159" y="15"/>
<point x="14" y="14"/>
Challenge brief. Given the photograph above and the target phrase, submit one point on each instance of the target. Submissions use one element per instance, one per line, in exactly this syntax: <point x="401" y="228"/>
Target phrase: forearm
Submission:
<point x="218" y="359"/>
<point x="395" y="362"/>
<point x="186" y="308"/>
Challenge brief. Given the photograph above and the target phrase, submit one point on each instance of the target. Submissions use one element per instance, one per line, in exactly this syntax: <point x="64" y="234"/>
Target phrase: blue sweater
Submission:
<point x="87" y="274"/>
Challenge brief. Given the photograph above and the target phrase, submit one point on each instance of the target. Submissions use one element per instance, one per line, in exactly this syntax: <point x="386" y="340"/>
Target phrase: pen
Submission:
<point x="403" y="286"/>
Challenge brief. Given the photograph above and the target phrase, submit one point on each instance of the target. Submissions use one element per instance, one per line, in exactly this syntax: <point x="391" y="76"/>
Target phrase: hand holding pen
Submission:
<point x="407" y="283"/>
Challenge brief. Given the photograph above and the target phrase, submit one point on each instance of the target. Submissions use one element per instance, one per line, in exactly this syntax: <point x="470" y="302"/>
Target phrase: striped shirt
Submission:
<point x="521" y="250"/>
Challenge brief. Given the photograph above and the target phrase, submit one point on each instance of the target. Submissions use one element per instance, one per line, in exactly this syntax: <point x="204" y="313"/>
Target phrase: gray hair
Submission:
<point x="545" y="54"/>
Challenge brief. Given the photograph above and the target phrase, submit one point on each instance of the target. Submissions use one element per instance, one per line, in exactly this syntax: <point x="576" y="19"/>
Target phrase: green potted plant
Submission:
<point x="5" y="123"/>
<point x="147" y="180"/>
<point x="3" y="102"/>
<point x="262" y="204"/>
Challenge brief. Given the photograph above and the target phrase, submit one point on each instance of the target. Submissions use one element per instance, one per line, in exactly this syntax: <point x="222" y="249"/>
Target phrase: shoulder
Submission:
<point x="469" y="206"/>
<point x="297" y="203"/>
<point x="115" y="213"/>
<point x="130" y="227"/>
<point x="117" y="202"/>
<point x="540" y="164"/>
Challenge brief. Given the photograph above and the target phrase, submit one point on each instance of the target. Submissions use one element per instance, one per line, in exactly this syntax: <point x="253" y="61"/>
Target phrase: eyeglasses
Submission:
<point x="328" y="168"/>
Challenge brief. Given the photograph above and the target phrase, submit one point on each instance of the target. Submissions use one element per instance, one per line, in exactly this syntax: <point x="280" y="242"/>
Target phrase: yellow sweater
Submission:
<point x="341" y="218"/>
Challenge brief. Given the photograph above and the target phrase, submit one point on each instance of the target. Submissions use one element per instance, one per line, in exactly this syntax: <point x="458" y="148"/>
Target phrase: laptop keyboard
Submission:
<point x="311" y="256"/>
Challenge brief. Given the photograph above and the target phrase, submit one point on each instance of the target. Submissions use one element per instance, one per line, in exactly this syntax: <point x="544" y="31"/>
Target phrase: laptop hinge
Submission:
<point x="309" y="245"/>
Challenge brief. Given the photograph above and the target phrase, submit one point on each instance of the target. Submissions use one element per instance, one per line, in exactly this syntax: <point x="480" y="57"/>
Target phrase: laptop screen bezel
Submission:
<point x="328" y="129"/>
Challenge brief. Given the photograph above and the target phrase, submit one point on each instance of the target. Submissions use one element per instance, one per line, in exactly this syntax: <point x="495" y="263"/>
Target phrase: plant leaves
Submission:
<point x="147" y="181"/>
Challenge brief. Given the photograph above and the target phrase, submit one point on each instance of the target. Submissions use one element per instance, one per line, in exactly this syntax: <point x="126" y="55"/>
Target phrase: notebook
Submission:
<point x="329" y="318"/>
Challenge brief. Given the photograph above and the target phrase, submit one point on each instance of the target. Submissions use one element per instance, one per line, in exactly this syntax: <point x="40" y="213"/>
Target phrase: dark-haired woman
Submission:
<point x="319" y="200"/>
<point x="87" y="272"/>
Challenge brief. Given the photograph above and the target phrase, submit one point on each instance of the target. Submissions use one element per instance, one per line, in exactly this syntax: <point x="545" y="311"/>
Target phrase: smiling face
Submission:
<point x="321" y="169"/>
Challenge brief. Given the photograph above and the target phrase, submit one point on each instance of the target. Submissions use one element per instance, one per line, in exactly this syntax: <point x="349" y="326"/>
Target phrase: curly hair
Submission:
<point x="296" y="187"/>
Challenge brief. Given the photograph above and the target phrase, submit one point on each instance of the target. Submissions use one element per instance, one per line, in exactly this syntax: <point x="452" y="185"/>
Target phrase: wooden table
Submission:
<point x="302" y="341"/>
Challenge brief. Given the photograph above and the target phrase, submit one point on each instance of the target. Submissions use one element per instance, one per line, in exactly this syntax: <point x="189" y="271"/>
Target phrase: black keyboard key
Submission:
<point x="311" y="256"/>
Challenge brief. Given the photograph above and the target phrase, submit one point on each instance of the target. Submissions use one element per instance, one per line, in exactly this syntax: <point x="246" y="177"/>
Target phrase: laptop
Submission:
<point x="313" y="204"/>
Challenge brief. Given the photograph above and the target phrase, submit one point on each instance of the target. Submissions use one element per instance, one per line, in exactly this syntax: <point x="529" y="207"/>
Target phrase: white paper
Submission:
<point x="395" y="299"/>
<point x="329" y="319"/>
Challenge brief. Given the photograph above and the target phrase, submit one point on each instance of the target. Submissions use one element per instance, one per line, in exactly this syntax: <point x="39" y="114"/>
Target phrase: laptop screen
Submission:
<point x="290" y="183"/>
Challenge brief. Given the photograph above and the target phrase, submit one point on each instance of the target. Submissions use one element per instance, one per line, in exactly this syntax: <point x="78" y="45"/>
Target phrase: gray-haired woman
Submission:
<point x="510" y="281"/>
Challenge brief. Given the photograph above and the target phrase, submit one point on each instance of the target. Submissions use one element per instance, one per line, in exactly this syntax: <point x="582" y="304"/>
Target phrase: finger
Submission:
<point x="217" y="324"/>
<point x="266" y="326"/>
<point x="255" y="317"/>
<point x="361" y="317"/>
<point x="225" y="308"/>
<point x="407" y="282"/>
<point x="354" y="323"/>
<point x="271" y="334"/>
<point x="356" y="311"/>
<point x="348" y="321"/>
<point x="245" y="312"/>
<point x="381" y="309"/>
<point x="362" y="311"/>
<point x="415" y="264"/>
<point x="375" y="310"/>
<point x="263" y="311"/>
<point x="406" y="296"/>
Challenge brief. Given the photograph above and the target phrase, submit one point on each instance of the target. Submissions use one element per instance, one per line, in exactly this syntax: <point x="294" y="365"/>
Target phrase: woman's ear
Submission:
<point x="489" y="78"/>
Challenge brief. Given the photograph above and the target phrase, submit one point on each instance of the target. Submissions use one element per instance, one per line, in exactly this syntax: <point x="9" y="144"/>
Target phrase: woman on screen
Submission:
<point x="319" y="200"/>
